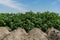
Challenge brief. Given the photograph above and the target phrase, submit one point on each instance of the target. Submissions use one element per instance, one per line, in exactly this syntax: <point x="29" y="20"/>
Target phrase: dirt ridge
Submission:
<point x="34" y="34"/>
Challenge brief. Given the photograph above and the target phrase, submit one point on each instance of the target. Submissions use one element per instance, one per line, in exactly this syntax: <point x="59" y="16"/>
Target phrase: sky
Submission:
<point x="27" y="5"/>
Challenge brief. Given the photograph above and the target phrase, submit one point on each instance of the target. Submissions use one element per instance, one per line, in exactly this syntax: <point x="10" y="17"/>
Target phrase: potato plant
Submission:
<point x="30" y="20"/>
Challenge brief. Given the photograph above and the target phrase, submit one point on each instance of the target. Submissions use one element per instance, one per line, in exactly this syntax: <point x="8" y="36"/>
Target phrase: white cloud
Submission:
<point x="13" y="4"/>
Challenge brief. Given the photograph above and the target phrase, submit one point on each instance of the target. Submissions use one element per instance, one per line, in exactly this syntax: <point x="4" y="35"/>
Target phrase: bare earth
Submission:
<point x="34" y="34"/>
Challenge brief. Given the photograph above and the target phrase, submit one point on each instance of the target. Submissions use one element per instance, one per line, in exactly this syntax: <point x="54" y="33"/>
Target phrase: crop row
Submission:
<point x="29" y="20"/>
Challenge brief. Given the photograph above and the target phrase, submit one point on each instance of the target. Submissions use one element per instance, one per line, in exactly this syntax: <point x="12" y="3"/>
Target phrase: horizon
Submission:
<point x="15" y="6"/>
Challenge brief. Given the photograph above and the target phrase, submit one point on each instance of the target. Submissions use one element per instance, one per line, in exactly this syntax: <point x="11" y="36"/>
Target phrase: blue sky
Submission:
<point x="27" y="5"/>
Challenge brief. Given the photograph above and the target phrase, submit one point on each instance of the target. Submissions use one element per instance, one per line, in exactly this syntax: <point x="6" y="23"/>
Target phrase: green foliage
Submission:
<point x="29" y="20"/>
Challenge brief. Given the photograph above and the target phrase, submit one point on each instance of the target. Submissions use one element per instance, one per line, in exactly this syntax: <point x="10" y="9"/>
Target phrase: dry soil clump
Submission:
<point x="53" y="34"/>
<point x="36" y="34"/>
<point x="18" y="34"/>
<point x="3" y="32"/>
